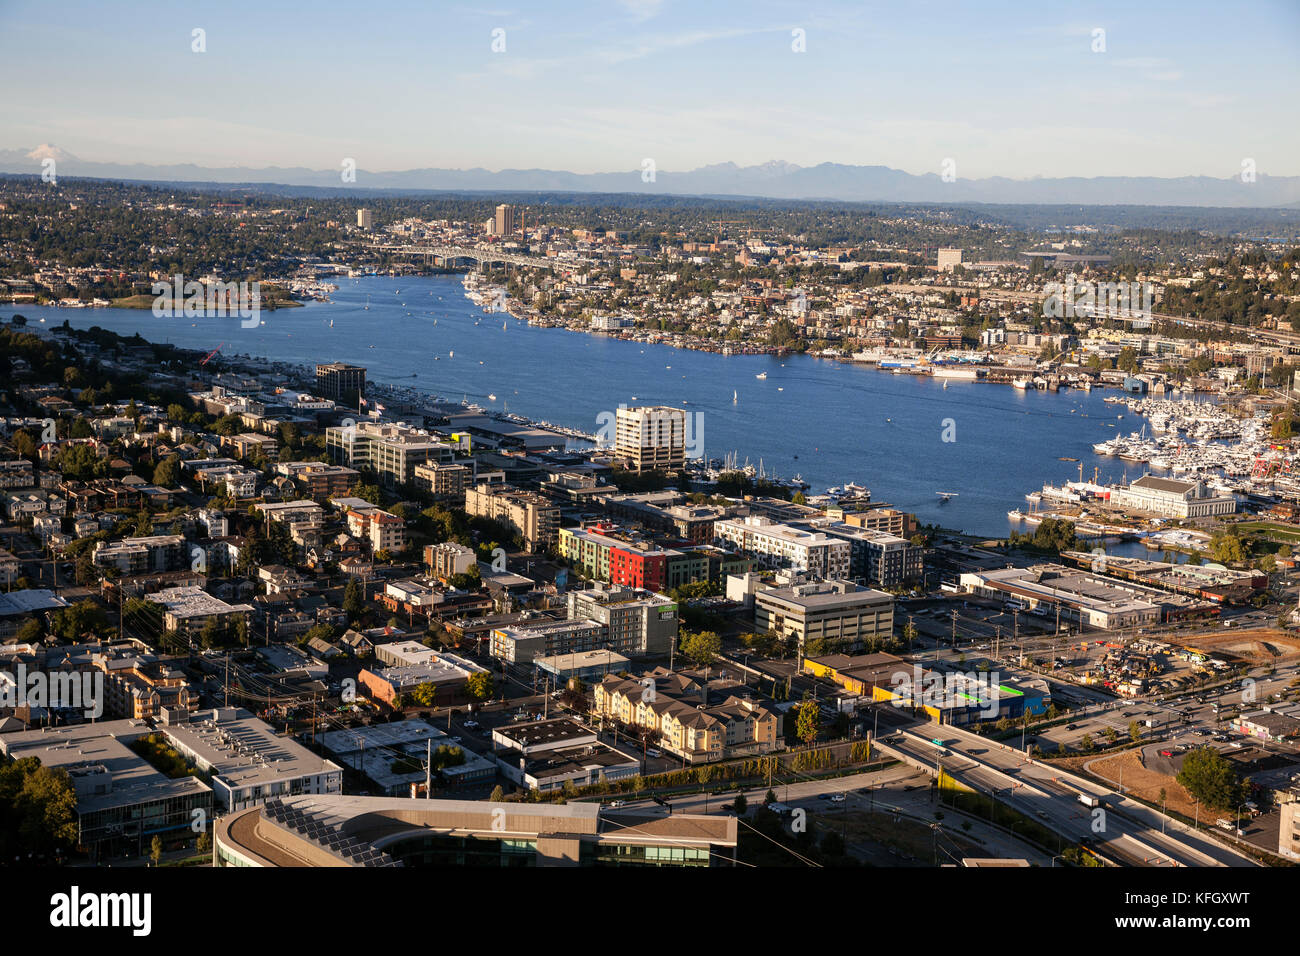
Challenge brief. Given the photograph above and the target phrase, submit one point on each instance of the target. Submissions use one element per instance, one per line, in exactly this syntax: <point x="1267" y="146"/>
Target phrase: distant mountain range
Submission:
<point x="774" y="180"/>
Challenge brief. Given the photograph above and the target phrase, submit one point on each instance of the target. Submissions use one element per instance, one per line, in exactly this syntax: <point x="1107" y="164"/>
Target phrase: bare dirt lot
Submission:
<point x="1251" y="647"/>
<point x="1139" y="781"/>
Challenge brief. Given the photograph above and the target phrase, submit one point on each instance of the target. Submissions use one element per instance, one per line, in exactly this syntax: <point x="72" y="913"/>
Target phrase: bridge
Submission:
<point x="480" y="254"/>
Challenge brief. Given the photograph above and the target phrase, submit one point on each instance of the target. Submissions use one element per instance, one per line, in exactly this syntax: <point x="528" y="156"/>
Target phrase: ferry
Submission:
<point x="1021" y="383"/>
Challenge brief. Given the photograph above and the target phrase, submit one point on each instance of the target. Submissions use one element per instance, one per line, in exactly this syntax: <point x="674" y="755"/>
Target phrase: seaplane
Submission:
<point x="945" y="496"/>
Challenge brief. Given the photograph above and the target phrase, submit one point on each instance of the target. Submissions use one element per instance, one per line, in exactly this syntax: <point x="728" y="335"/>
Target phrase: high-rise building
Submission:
<point x="651" y="438"/>
<point x="342" y="382"/>
<point x="949" y="259"/>
<point x="364" y="219"/>
<point x="506" y="223"/>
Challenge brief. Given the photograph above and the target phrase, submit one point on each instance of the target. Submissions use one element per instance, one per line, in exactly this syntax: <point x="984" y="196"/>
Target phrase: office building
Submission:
<point x="364" y="219"/>
<point x="344" y="831"/>
<point x="122" y="801"/>
<point x="505" y="222"/>
<point x="341" y="382"/>
<point x="830" y="614"/>
<point x="392" y="451"/>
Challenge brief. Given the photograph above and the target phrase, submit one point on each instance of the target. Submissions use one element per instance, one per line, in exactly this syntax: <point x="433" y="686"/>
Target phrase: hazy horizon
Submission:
<point x="1000" y="90"/>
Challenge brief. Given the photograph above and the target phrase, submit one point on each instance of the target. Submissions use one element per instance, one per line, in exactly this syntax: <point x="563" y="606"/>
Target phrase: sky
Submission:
<point x="1017" y="89"/>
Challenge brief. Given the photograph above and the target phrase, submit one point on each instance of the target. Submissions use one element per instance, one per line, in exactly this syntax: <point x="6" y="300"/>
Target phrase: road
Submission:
<point x="1128" y="831"/>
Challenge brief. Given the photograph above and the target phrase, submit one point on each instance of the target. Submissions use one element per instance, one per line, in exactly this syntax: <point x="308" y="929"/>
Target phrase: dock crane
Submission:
<point x="210" y="355"/>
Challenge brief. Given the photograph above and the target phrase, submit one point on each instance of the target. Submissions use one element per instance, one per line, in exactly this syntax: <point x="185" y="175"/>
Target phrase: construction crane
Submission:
<point x="212" y="353"/>
<point x="724" y="222"/>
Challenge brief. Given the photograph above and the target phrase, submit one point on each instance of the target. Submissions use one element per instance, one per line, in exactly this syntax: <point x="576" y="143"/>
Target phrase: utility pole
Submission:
<point x="428" y="767"/>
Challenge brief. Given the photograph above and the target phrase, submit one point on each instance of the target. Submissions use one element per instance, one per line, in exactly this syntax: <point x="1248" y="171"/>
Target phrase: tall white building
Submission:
<point x="364" y="219"/>
<point x="651" y="438"/>
<point x="948" y="259"/>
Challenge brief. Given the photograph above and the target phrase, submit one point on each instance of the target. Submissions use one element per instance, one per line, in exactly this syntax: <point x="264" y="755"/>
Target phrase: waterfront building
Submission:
<point x="1172" y="498"/>
<point x="650" y="438"/>
<point x="341" y="382"/>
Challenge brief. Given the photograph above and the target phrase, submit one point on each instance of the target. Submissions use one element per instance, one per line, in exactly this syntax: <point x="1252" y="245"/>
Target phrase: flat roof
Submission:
<point x="243" y="750"/>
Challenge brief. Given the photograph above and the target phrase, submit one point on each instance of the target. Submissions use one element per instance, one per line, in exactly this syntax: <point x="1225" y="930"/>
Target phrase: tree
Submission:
<point x="497" y="794"/>
<point x="204" y="842"/>
<point x="1209" y="777"/>
<point x="84" y="617"/>
<point x="1128" y="359"/>
<point x="168" y="472"/>
<point x="1134" y="731"/>
<point x="155" y="849"/>
<point x="31" y="631"/>
<point x="425" y="695"/>
<point x="809" y="721"/>
<point x="480" y="685"/>
<point x="702" y="647"/>
<point x="1226" y="547"/>
<point x="353" y="601"/>
<point x="741" y="804"/>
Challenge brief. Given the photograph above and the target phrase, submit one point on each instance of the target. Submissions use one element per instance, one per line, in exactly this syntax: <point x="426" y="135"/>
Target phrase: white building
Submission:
<point x="1173" y="498"/>
<point x="782" y="546"/>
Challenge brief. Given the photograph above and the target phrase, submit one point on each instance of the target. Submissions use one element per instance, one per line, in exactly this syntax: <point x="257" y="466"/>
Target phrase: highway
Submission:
<point x="1129" y="832"/>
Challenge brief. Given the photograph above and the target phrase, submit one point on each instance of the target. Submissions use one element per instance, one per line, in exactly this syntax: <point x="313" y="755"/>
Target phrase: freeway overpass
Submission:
<point x="480" y="254"/>
<point x="1129" y="832"/>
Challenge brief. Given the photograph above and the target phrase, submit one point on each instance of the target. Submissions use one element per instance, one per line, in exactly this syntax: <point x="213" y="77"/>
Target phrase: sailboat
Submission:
<point x="367" y="308"/>
<point x="735" y="396"/>
<point x="761" y="375"/>
<point x="451" y="354"/>
<point x="945" y="383"/>
<point x="331" y="323"/>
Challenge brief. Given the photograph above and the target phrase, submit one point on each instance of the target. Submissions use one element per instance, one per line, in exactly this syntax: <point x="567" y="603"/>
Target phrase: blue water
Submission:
<point x="844" y="422"/>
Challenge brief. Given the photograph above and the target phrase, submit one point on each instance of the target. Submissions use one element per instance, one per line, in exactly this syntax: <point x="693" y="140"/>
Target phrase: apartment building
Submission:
<point x="449" y="558"/>
<point x="317" y="480"/>
<point x="138" y="687"/>
<point x="385" y="531"/>
<point x="639" y="623"/>
<point x="786" y="546"/>
<point x="151" y="554"/>
<point x="445" y="481"/>
<point x="690" y="724"/>
<point x="651" y="438"/>
<point x="532" y="516"/>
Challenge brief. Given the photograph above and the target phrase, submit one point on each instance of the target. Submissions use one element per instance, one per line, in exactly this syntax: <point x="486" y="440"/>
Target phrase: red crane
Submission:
<point x="211" y="354"/>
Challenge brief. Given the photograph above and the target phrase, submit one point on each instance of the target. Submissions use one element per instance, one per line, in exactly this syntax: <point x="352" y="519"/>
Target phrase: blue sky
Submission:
<point x="1002" y="88"/>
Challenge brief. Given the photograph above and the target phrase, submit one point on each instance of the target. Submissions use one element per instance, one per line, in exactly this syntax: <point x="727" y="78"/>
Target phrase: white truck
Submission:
<point x="1088" y="800"/>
